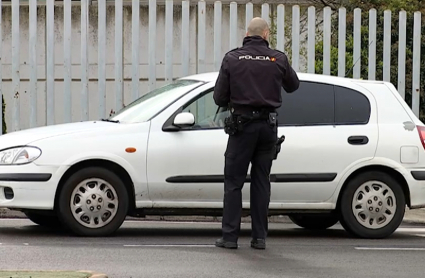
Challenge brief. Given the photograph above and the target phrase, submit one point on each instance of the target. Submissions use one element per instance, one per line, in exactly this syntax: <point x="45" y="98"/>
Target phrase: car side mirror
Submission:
<point x="184" y="119"/>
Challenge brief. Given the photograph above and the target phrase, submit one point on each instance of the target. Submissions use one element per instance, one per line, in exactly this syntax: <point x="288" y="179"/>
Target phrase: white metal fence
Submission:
<point x="44" y="83"/>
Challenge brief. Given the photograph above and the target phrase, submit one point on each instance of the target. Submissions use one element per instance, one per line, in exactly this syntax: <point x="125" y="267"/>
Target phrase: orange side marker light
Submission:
<point x="130" y="150"/>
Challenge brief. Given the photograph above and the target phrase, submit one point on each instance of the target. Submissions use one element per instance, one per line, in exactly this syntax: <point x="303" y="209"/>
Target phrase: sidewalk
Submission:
<point x="416" y="216"/>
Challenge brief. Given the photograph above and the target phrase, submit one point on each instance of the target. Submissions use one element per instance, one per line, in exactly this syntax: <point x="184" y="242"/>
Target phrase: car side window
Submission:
<point x="351" y="107"/>
<point x="311" y="104"/>
<point x="207" y="113"/>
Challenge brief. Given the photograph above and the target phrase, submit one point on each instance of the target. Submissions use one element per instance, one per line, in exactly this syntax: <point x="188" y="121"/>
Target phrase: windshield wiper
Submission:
<point x="111" y="121"/>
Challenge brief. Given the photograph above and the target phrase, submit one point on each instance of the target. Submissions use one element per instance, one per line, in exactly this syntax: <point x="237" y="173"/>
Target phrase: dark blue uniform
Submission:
<point x="250" y="82"/>
<point x="253" y="75"/>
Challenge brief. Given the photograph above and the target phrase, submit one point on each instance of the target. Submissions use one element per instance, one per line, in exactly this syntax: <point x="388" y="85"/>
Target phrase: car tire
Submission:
<point x="93" y="202"/>
<point x="314" y="222"/>
<point x="372" y="205"/>
<point x="44" y="219"/>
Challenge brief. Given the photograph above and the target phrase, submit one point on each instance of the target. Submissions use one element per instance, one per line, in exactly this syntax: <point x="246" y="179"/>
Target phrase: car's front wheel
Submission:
<point x="314" y="222"/>
<point x="93" y="202"/>
<point x="372" y="205"/>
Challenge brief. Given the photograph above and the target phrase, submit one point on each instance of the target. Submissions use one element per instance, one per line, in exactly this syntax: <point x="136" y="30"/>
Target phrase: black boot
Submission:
<point x="226" y="244"/>
<point x="258" y="243"/>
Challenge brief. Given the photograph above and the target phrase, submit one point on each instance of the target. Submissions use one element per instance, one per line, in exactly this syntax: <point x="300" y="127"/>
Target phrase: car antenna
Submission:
<point x="346" y="75"/>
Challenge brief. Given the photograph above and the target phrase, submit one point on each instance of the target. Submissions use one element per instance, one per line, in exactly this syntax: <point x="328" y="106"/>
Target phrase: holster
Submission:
<point x="231" y="126"/>
<point x="279" y="142"/>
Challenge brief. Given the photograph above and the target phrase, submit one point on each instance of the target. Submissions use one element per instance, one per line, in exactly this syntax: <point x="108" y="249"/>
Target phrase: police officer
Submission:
<point x="249" y="83"/>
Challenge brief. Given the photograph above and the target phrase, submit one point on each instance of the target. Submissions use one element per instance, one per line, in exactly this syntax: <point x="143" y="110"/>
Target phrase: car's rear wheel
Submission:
<point x="49" y="220"/>
<point x="93" y="202"/>
<point x="372" y="205"/>
<point x="314" y="222"/>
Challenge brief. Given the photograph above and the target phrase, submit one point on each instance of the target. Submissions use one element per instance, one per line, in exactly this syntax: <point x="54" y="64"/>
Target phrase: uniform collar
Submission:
<point x="255" y="40"/>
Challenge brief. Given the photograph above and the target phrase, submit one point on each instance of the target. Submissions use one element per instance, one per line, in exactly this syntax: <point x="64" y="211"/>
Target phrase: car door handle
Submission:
<point x="358" y="140"/>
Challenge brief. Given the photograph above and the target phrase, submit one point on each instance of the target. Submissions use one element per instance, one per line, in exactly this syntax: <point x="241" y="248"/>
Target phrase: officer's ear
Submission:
<point x="266" y="35"/>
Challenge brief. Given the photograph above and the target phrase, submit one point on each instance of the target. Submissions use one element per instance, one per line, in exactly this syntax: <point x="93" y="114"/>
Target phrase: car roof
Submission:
<point x="336" y="80"/>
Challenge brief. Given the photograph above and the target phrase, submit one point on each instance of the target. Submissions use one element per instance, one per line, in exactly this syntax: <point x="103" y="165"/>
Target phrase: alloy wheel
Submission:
<point x="374" y="204"/>
<point x="94" y="203"/>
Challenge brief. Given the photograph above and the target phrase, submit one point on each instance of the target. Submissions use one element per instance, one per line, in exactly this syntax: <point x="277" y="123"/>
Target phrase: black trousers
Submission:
<point x="254" y="144"/>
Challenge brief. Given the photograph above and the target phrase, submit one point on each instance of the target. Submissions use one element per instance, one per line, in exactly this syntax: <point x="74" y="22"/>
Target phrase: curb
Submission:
<point x="415" y="216"/>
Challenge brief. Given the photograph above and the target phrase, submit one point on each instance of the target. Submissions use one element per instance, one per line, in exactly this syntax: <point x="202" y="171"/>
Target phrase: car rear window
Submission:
<point x="323" y="104"/>
<point x="351" y="107"/>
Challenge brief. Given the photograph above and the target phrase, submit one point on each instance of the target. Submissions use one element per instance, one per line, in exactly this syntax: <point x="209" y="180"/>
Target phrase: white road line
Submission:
<point x="169" y="245"/>
<point x="390" y="248"/>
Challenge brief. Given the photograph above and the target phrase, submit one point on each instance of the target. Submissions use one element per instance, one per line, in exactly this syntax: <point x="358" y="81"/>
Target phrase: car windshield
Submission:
<point x="148" y="105"/>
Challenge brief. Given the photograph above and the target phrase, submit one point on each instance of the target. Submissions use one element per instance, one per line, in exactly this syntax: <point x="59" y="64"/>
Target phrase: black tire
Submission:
<point x="314" y="222"/>
<point x="347" y="217"/>
<point x="49" y="220"/>
<point x="64" y="207"/>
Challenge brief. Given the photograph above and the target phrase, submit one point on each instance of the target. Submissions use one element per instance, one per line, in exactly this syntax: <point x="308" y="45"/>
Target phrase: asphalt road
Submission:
<point x="158" y="249"/>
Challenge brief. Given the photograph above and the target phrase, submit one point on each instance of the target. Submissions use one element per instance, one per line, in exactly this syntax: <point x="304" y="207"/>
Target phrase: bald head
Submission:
<point x="258" y="27"/>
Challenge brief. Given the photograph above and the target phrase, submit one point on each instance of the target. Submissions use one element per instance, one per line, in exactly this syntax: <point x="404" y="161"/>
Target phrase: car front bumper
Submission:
<point x="28" y="186"/>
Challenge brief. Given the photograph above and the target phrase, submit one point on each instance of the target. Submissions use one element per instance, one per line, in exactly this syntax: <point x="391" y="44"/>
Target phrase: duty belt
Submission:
<point x="253" y="111"/>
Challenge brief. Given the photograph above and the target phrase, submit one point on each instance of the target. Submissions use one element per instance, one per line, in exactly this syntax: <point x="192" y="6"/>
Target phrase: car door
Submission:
<point x="328" y="129"/>
<point x="185" y="166"/>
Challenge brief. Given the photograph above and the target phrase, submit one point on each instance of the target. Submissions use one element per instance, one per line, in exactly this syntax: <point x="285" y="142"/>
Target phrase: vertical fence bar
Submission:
<point x="84" y="61"/>
<point x="169" y="41"/>
<point x="152" y="45"/>
<point x="280" y="34"/>
<point x="342" y="31"/>
<point x="217" y="35"/>
<point x="372" y="44"/>
<point x="401" y="86"/>
<point x="295" y="37"/>
<point x="311" y="49"/>
<point x="416" y="63"/>
<point x="357" y="43"/>
<point x="265" y="12"/>
<point x="233" y="24"/>
<point x="118" y="54"/>
<point x="101" y="58"/>
<point x="327" y="41"/>
<point x="33" y="63"/>
<point x="50" y="76"/>
<point x="249" y="14"/>
<point x="185" y="37"/>
<point x="15" y="64"/>
<point x="135" y="49"/>
<point x="387" y="46"/>
<point x="67" y="61"/>
<point x="201" y="36"/>
<point x="1" y="70"/>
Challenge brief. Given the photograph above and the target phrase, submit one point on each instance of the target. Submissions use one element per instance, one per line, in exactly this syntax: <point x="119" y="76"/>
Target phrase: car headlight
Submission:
<point x="19" y="155"/>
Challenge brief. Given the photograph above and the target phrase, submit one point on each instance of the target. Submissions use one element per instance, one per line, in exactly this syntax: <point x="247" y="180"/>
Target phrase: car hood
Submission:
<point x="31" y="135"/>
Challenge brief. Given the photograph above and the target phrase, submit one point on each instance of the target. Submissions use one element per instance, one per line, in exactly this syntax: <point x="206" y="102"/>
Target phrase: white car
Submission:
<point x="354" y="153"/>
